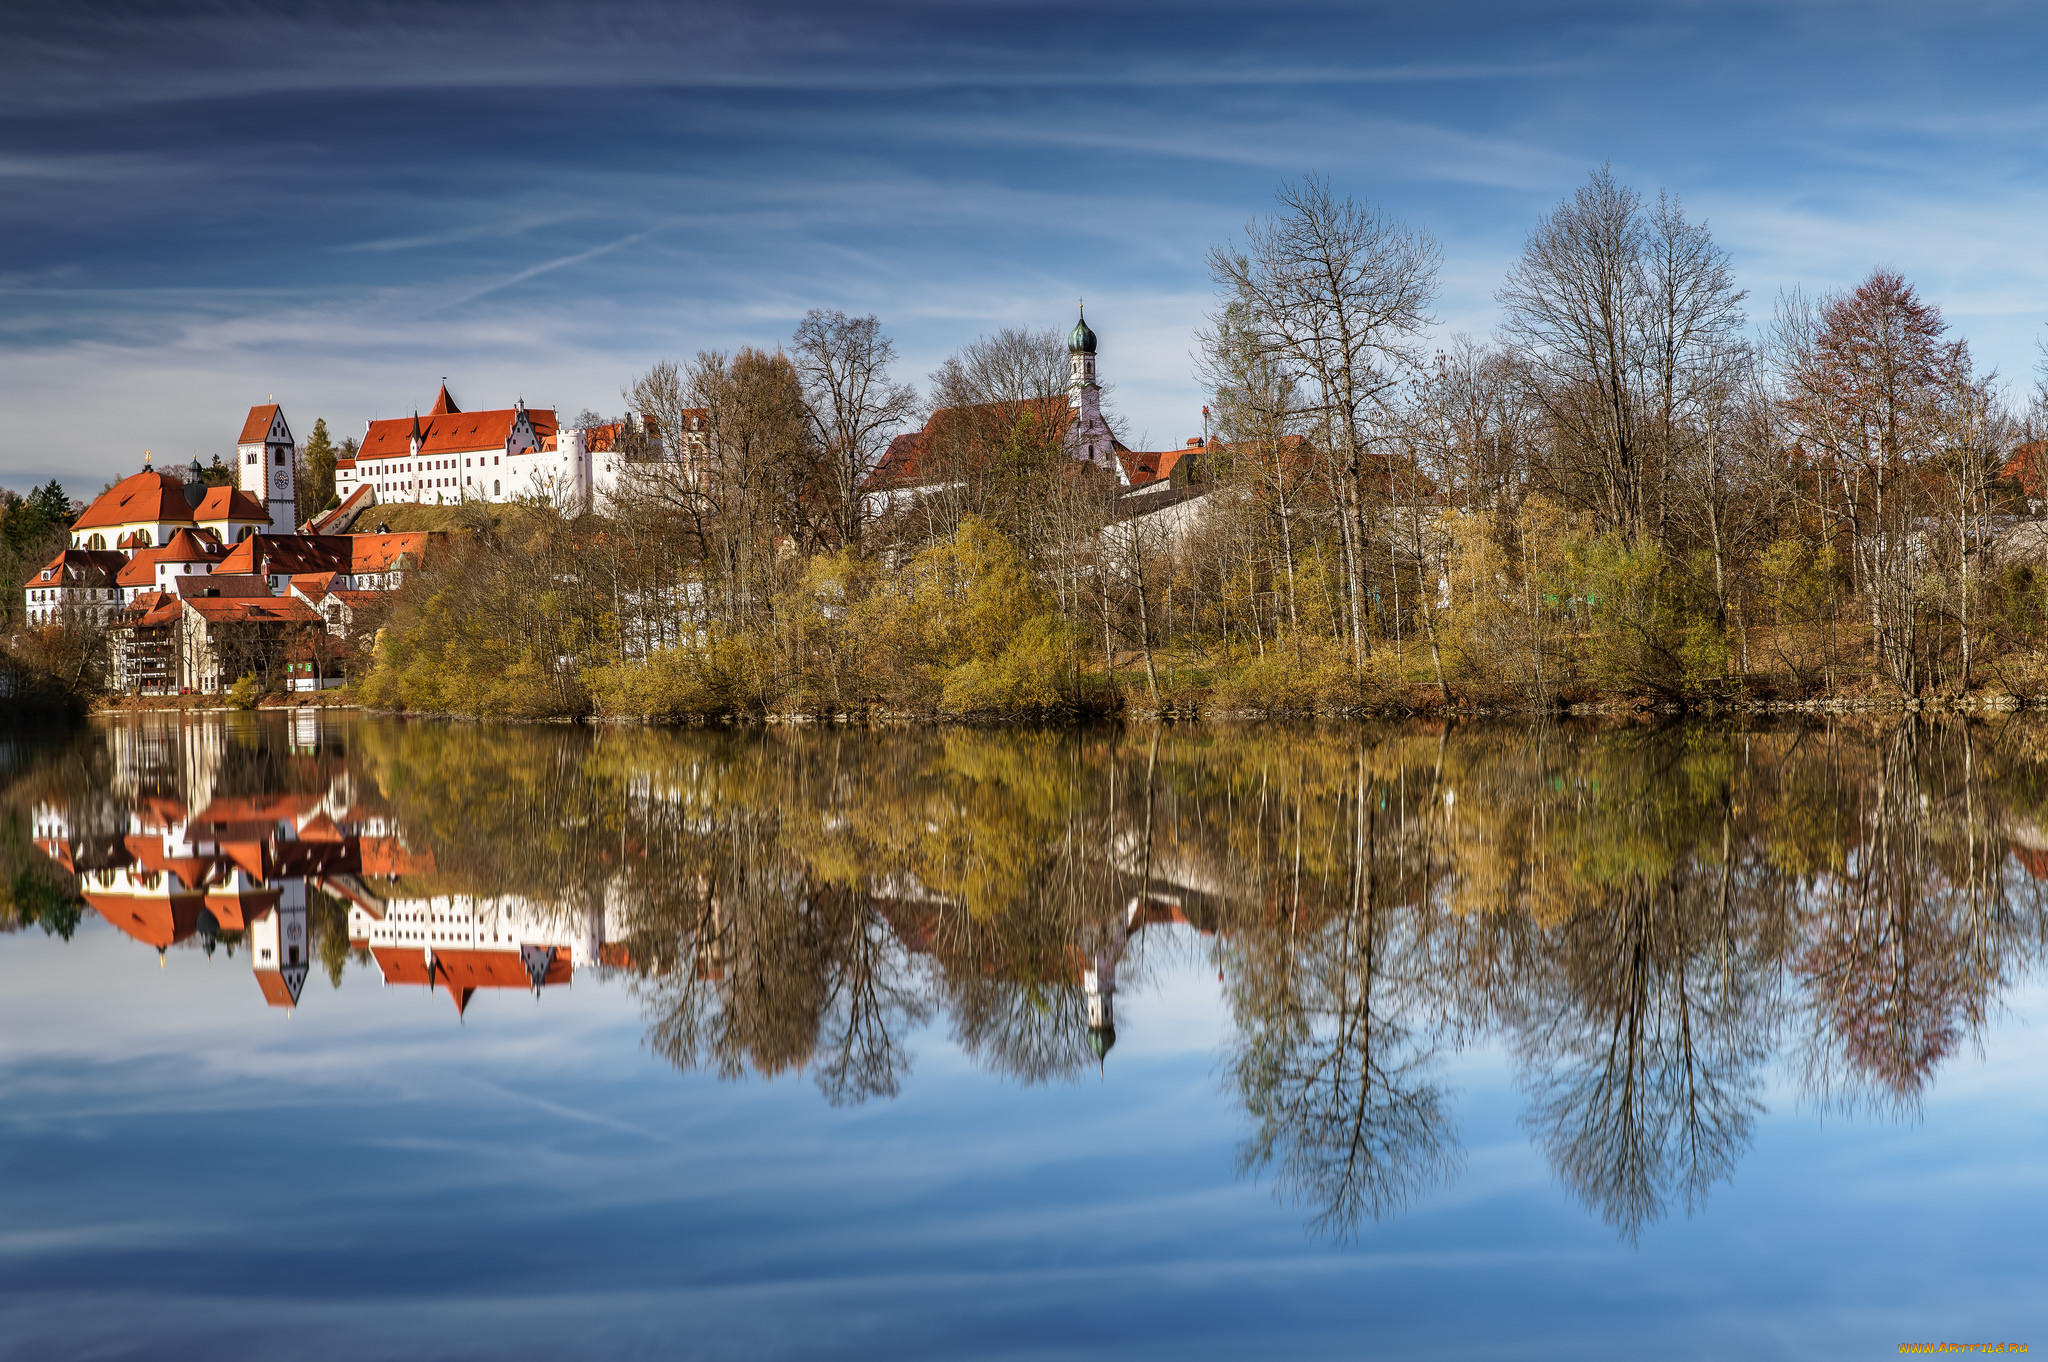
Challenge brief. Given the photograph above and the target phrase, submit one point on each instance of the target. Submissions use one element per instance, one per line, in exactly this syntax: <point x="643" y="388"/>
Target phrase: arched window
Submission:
<point x="142" y="539"/>
<point x="494" y="487"/>
<point x="98" y="541"/>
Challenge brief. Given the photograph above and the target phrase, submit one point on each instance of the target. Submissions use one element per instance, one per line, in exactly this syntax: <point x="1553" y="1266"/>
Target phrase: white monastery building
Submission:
<point x="512" y="454"/>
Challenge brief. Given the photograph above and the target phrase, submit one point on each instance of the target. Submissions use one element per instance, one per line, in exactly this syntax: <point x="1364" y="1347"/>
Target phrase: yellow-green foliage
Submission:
<point x="1301" y="674"/>
<point x="726" y="675"/>
<point x="966" y="627"/>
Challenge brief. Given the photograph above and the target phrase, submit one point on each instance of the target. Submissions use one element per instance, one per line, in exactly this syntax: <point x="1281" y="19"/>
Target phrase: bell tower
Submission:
<point x="1088" y="434"/>
<point x="264" y="465"/>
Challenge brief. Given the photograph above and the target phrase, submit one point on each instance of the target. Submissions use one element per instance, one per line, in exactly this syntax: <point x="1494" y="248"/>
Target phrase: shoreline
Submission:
<point x="1643" y="709"/>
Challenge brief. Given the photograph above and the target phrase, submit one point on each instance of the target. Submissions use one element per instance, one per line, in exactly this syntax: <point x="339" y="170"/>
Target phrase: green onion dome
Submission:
<point x="1081" y="341"/>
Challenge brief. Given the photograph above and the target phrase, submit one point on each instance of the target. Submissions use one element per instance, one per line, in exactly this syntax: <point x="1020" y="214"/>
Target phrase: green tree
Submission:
<point x="316" y="488"/>
<point x="33" y="530"/>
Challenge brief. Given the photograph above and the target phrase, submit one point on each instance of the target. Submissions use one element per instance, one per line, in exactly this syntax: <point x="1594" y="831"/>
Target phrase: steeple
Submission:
<point x="444" y="405"/>
<point x="1088" y="435"/>
<point x="1081" y="341"/>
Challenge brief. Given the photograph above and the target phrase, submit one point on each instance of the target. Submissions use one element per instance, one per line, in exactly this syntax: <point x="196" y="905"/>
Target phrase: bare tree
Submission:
<point x="853" y="402"/>
<point x="1337" y="293"/>
<point x="1871" y="386"/>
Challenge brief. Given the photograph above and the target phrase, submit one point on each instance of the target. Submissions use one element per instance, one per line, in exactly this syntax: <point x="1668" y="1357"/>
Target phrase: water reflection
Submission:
<point x="1655" y="922"/>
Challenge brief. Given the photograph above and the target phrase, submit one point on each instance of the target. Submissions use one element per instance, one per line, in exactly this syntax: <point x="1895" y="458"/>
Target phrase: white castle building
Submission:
<point x="514" y="453"/>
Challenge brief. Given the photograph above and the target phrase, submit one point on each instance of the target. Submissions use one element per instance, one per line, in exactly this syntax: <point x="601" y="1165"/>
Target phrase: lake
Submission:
<point x="344" y="1037"/>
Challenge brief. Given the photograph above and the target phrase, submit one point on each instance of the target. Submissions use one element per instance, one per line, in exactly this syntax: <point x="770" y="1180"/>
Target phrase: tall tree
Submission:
<point x="1337" y="292"/>
<point x="316" y="487"/>
<point x="854" y="404"/>
<point x="1872" y="387"/>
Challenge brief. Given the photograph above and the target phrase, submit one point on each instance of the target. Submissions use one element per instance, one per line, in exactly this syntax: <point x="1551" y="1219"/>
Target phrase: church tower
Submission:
<point x="1088" y="435"/>
<point x="263" y="466"/>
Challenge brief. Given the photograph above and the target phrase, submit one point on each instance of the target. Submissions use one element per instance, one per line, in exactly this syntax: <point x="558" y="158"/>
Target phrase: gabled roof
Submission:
<point x="158" y="498"/>
<point x="233" y="586"/>
<point x="154" y="921"/>
<point x="153" y="608"/>
<point x="457" y="432"/>
<point x="313" y="585"/>
<point x="908" y="460"/>
<point x="185" y="546"/>
<point x="380" y="552"/>
<point x="256" y="429"/>
<point x="280" y="990"/>
<point x="290" y="554"/>
<point x="244" y="610"/>
<point x="230" y="503"/>
<point x="1148" y="466"/>
<point x="79" y="567"/>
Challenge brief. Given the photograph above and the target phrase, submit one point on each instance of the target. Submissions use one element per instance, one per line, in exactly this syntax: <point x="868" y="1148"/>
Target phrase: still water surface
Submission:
<point x="355" y="1038"/>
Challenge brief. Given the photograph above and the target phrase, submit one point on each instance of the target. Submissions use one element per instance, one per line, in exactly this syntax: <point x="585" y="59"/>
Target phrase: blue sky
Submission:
<point x="205" y="204"/>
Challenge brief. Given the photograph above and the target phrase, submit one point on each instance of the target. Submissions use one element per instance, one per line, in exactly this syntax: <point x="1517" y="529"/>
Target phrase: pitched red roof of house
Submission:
<point x="158" y="922"/>
<point x="379" y="552"/>
<point x="1142" y="467"/>
<point x="313" y="585"/>
<point x="268" y="610"/>
<point x="455" y="432"/>
<point x="230" y="503"/>
<point x="444" y="405"/>
<point x="276" y="991"/>
<point x="388" y="857"/>
<point x="79" y="567"/>
<point x="148" y="495"/>
<point x="357" y="600"/>
<point x="907" y="460"/>
<point x="186" y="546"/>
<point x="228" y="585"/>
<point x="256" y="428"/>
<point x="153" y="608"/>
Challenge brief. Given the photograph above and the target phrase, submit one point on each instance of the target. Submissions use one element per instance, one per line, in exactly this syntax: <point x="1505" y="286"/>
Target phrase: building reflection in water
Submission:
<point x="1646" y="921"/>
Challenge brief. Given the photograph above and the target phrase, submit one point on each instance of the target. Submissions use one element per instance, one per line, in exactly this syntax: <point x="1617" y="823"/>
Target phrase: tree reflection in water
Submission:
<point x="1644" y="918"/>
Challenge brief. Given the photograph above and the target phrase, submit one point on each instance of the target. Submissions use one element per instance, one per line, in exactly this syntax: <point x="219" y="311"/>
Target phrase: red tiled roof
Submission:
<point x="256" y="428"/>
<point x="230" y="503"/>
<point x="186" y="546"/>
<point x="1148" y="466"/>
<point x="327" y="520"/>
<point x="904" y="463"/>
<point x="158" y="498"/>
<point x="79" y="567"/>
<point x="444" y="405"/>
<point x="388" y="857"/>
<point x="292" y="554"/>
<point x="379" y="552"/>
<point x="313" y="585"/>
<point x="153" y="608"/>
<point x="458" y="432"/>
<point x="269" y="610"/>
<point x="227" y="585"/>
<point x="154" y="921"/>
<point x="276" y="991"/>
<point x="357" y="600"/>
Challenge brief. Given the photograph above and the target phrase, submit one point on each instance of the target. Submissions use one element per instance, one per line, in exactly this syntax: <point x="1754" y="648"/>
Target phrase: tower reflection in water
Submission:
<point x="1647" y="922"/>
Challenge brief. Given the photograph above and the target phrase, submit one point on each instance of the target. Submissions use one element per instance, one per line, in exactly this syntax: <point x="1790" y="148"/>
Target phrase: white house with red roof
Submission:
<point x="451" y="455"/>
<point x="81" y="582"/>
<point x="513" y="453"/>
